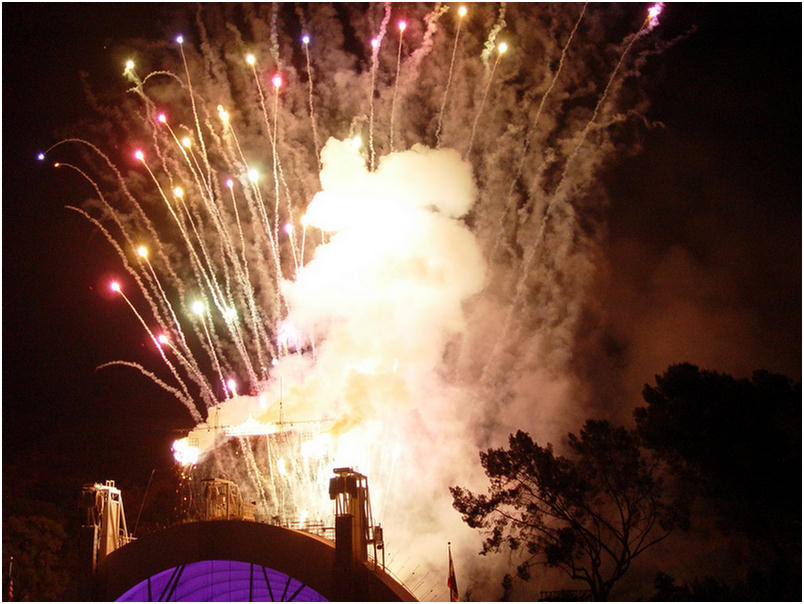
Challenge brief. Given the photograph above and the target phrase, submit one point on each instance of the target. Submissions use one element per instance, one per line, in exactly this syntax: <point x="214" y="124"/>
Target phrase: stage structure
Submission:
<point x="222" y="554"/>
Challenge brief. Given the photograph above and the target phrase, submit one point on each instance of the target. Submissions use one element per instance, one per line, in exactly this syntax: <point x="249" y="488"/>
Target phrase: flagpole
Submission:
<point x="452" y="582"/>
<point x="10" y="579"/>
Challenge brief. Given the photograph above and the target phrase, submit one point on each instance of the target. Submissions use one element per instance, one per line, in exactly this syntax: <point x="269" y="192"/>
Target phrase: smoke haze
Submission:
<point x="429" y="307"/>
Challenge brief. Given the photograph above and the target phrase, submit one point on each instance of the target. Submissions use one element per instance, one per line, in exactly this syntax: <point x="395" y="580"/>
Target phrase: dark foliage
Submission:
<point x="736" y="443"/>
<point x="758" y="587"/>
<point x="589" y="514"/>
<point x="41" y="567"/>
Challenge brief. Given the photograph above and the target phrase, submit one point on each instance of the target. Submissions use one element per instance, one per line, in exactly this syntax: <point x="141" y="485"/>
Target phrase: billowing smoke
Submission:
<point x="413" y="302"/>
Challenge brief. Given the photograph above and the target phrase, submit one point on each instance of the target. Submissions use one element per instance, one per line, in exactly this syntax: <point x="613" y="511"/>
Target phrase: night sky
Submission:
<point x="55" y="405"/>
<point x="703" y="251"/>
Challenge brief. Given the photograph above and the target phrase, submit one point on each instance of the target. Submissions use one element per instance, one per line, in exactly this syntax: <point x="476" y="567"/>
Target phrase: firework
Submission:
<point x="406" y="268"/>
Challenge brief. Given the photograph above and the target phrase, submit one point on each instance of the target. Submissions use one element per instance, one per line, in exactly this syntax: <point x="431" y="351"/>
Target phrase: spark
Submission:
<point x="129" y="65"/>
<point x="276" y="81"/>
<point x="161" y="118"/>
<point x="114" y="286"/>
<point x="185" y="453"/>
<point x="178" y="192"/>
<point x="186" y="142"/>
<point x="305" y="39"/>
<point x="253" y="175"/>
<point x="138" y="154"/>
<point x="198" y="308"/>
<point x="652" y="20"/>
<point x="462" y="11"/>
<point x="250" y="59"/>
<point x="179" y="39"/>
<point x="40" y="157"/>
<point x="142" y="251"/>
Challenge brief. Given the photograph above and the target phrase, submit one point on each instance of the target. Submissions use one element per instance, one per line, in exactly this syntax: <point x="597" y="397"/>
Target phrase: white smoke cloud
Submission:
<point x="380" y="299"/>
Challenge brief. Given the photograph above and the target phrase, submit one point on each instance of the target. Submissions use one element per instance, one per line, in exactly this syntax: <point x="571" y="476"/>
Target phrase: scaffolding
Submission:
<point x="104" y="529"/>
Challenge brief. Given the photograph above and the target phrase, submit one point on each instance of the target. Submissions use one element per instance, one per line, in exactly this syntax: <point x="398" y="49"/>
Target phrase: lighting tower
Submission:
<point x="354" y="530"/>
<point x="104" y="529"/>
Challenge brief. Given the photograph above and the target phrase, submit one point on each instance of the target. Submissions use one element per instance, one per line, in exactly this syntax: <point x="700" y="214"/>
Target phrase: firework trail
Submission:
<point x="533" y="128"/>
<point x="461" y="15"/>
<point x="536" y="246"/>
<point x="500" y="51"/>
<point x="175" y="392"/>
<point x="381" y="332"/>
<point x="402" y="26"/>
<point x="490" y="43"/>
<point x="316" y="145"/>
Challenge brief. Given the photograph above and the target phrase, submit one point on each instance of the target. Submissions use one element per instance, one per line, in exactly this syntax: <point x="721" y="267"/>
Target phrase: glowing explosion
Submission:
<point x="368" y="251"/>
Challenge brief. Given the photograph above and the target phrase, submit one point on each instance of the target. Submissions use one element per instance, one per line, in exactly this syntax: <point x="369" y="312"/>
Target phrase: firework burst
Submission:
<point x="398" y="293"/>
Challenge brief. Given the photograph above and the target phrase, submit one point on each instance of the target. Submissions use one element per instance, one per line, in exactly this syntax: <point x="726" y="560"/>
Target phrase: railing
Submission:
<point x="566" y="595"/>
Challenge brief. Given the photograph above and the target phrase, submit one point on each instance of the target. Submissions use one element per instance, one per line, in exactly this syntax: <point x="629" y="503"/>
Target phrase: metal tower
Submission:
<point x="104" y="529"/>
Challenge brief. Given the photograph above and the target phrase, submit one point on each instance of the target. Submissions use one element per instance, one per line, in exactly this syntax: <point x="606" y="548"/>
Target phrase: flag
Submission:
<point x="451" y="582"/>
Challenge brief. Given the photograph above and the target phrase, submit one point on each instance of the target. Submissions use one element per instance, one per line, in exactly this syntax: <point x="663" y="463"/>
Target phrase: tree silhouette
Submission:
<point x="736" y="443"/>
<point x="589" y="514"/>
<point x="38" y="545"/>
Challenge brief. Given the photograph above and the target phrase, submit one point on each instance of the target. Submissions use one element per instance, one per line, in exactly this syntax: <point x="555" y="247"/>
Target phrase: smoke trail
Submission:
<point x="479" y="112"/>
<point x="449" y="78"/>
<point x="488" y="47"/>
<point x="175" y="392"/>
<point x="275" y="35"/>
<point x="534" y="127"/>
<point x="402" y="26"/>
